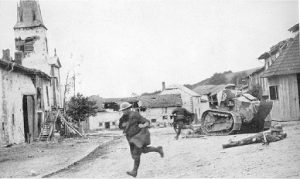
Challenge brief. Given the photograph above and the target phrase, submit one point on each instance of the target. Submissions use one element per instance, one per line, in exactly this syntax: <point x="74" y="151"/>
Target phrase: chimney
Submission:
<point x="19" y="57"/>
<point x="6" y="55"/>
<point x="163" y="86"/>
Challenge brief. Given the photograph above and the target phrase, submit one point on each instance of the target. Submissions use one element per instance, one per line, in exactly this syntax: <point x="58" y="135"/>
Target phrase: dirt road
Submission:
<point x="197" y="157"/>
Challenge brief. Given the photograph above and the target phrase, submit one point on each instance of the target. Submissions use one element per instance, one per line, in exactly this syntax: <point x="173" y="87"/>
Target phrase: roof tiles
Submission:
<point x="288" y="62"/>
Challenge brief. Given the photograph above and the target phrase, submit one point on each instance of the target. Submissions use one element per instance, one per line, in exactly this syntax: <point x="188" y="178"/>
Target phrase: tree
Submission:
<point x="79" y="108"/>
<point x="218" y="78"/>
<point x="238" y="78"/>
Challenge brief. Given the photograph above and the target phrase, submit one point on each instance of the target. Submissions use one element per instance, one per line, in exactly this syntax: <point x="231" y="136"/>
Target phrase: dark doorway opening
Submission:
<point x="28" y="117"/>
<point x="39" y="122"/>
<point x="107" y="125"/>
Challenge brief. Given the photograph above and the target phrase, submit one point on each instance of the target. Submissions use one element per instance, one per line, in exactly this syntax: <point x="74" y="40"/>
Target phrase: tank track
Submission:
<point x="210" y="118"/>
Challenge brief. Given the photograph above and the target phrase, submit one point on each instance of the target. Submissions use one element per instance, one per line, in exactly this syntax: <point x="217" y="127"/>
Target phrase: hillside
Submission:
<point x="223" y="78"/>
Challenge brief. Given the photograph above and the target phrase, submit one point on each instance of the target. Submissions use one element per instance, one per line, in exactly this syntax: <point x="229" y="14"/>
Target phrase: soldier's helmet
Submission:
<point x="277" y="128"/>
<point x="125" y="105"/>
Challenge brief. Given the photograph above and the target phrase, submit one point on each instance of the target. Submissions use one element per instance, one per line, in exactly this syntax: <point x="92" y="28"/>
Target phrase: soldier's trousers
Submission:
<point x="136" y="152"/>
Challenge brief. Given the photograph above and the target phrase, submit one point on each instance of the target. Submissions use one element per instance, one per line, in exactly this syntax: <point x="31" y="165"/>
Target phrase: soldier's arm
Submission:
<point x="174" y="111"/>
<point x="143" y="122"/>
<point x="121" y="121"/>
<point x="188" y="113"/>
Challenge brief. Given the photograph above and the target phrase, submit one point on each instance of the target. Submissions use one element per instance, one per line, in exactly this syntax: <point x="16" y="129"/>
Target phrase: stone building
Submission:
<point x="158" y="108"/>
<point x="30" y="83"/>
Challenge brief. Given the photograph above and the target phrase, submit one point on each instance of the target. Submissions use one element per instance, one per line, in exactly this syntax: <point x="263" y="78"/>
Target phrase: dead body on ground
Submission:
<point x="275" y="134"/>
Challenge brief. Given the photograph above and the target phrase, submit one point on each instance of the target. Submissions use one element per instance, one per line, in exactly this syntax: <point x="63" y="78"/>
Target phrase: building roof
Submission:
<point x="295" y="28"/>
<point x="209" y="89"/>
<point x="161" y="101"/>
<point x="7" y="65"/>
<point x="182" y="88"/>
<point x="120" y="100"/>
<point x="29" y="15"/>
<point x="258" y="70"/>
<point x="287" y="62"/>
<point x="274" y="49"/>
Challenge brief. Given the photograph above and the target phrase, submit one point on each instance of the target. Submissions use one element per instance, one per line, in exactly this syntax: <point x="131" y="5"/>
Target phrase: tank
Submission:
<point x="241" y="113"/>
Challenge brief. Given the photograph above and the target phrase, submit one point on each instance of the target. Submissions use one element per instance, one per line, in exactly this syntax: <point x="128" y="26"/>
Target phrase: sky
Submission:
<point x="120" y="47"/>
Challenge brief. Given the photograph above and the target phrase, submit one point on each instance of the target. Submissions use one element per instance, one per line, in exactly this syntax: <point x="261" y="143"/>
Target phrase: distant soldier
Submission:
<point x="136" y="130"/>
<point x="275" y="134"/>
<point x="181" y="117"/>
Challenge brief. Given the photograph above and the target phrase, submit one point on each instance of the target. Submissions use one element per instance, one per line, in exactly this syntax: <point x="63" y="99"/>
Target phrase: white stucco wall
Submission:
<point x="39" y="58"/>
<point x="158" y="113"/>
<point x="12" y="88"/>
<point x="103" y="117"/>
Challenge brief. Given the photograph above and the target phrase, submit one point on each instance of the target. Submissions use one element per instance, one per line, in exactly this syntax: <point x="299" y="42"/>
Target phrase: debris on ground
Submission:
<point x="9" y="145"/>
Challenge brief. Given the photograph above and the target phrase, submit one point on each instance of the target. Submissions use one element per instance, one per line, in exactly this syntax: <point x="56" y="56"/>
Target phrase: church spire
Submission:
<point x="29" y="15"/>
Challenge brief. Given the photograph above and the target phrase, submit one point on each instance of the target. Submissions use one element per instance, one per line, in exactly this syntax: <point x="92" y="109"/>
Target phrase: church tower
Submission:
<point x="30" y="36"/>
<point x="32" y="46"/>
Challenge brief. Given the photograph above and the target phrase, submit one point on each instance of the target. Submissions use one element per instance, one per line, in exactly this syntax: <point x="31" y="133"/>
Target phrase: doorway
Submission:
<point x="28" y="117"/>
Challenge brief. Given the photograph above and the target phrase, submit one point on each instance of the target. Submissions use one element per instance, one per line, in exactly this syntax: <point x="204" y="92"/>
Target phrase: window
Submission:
<point x="13" y="119"/>
<point x="39" y="97"/>
<point x="273" y="92"/>
<point x="153" y="120"/>
<point x="47" y="95"/>
<point x="33" y="16"/>
<point x="21" y="17"/>
<point x="114" y="123"/>
<point x="100" y="124"/>
<point x="29" y="41"/>
<point x="46" y="44"/>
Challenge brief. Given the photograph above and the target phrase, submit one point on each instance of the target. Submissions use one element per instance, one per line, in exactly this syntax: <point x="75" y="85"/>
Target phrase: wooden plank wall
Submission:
<point x="286" y="108"/>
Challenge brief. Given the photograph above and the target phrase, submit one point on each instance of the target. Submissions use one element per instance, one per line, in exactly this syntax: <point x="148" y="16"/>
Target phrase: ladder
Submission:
<point x="48" y="126"/>
<point x="46" y="131"/>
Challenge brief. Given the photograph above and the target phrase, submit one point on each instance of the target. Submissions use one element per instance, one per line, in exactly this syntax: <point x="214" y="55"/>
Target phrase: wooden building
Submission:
<point x="283" y="77"/>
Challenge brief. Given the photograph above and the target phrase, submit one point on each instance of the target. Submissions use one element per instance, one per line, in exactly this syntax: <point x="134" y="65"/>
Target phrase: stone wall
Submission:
<point x="12" y="88"/>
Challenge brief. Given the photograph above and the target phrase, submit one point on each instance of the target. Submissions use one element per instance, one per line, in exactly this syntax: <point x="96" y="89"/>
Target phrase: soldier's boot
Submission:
<point x="136" y="165"/>
<point x="158" y="149"/>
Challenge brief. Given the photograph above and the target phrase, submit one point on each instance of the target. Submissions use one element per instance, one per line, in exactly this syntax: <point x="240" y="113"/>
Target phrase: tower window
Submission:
<point x="46" y="44"/>
<point x="13" y="119"/>
<point x="29" y="41"/>
<point x="33" y="15"/>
